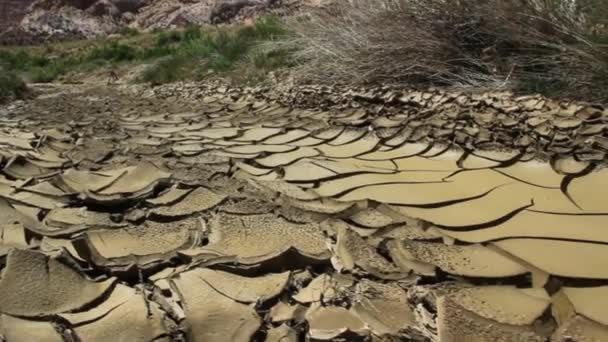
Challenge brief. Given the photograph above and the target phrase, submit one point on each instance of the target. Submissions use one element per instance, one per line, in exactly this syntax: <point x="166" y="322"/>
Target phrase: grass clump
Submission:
<point x="538" y="44"/>
<point x="113" y="52"/>
<point x="128" y="31"/>
<point x="21" y="60"/>
<point x="191" y="33"/>
<point x="11" y="86"/>
<point x="168" y="38"/>
<point x="43" y="74"/>
<point x="272" y="59"/>
<point x="167" y="70"/>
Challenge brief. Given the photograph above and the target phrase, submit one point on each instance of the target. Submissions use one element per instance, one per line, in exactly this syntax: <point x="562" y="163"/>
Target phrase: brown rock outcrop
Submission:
<point x="32" y="21"/>
<point x="11" y="12"/>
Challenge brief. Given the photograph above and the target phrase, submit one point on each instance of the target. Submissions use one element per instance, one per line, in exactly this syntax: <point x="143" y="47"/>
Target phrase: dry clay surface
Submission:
<point x="234" y="218"/>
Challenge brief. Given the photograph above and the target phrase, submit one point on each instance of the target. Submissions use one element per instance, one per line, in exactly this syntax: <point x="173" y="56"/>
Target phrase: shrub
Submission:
<point x="269" y="28"/>
<point x="228" y="48"/>
<point x="21" y="60"/>
<point x="45" y="74"/>
<point x="127" y="31"/>
<point x="11" y="86"/>
<point x="478" y="43"/>
<point x="113" y="52"/>
<point x="192" y="32"/>
<point x="167" y="38"/>
<point x="14" y="59"/>
<point x="156" y="52"/>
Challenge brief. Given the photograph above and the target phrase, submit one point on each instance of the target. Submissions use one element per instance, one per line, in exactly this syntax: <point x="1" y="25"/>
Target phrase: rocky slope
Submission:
<point x="11" y="12"/>
<point x="72" y="19"/>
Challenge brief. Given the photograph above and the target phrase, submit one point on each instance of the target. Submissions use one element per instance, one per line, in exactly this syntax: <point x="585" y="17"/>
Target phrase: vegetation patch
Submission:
<point x="557" y="47"/>
<point x="554" y="47"/>
<point x="11" y="85"/>
<point x="196" y="54"/>
<point x="189" y="54"/>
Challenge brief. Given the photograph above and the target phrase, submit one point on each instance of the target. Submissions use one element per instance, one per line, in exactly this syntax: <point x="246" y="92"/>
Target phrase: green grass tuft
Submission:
<point x="11" y="86"/>
<point x="128" y="31"/>
<point x="45" y="74"/>
<point x="113" y="52"/>
<point x="192" y="32"/>
<point x="168" y="38"/>
<point x="269" y="28"/>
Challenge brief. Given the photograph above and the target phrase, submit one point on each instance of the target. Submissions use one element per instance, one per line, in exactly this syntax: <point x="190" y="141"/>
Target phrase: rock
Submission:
<point x="74" y="19"/>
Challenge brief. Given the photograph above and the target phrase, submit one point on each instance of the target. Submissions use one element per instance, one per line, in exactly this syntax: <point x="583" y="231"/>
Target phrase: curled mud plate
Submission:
<point x="238" y="218"/>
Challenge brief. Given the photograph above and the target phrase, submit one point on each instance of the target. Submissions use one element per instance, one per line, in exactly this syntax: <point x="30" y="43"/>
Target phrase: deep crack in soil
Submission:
<point x="222" y="217"/>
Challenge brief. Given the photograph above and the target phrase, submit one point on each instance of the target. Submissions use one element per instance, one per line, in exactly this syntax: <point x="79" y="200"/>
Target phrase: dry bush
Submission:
<point x="550" y="45"/>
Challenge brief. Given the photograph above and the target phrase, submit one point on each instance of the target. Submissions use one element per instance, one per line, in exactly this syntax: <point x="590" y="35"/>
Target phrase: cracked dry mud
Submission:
<point x="234" y="218"/>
